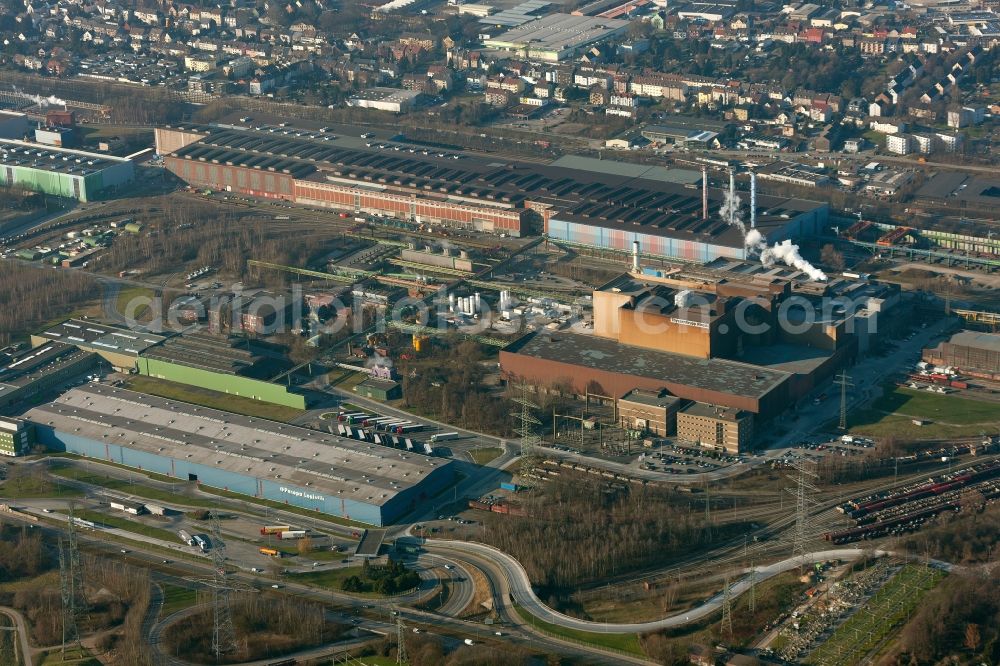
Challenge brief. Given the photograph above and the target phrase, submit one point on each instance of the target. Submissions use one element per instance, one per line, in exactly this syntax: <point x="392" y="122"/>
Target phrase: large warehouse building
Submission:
<point x="587" y="362"/>
<point x="739" y="340"/>
<point x="251" y="456"/>
<point x="62" y="172"/>
<point x="571" y="201"/>
<point x="557" y="37"/>
<point x="972" y="353"/>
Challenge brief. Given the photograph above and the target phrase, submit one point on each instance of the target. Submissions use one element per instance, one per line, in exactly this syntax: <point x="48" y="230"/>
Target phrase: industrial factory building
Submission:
<point x="740" y="340"/>
<point x="578" y="363"/>
<point x="972" y="353"/>
<point x="250" y="456"/>
<point x="62" y="172"/>
<point x="572" y="201"/>
<point x="27" y="373"/>
<point x="118" y="346"/>
<point x="556" y="37"/>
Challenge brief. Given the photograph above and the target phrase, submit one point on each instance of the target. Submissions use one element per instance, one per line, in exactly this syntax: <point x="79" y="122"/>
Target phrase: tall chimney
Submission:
<point x="732" y="196"/>
<point x="635" y="256"/>
<point x="704" y="193"/>
<point x="753" y="200"/>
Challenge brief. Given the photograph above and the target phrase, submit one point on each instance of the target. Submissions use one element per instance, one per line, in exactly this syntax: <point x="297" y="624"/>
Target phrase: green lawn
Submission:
<point x="948" y="415"/>
<point x="331" y="579"/>
<point x="176" y="598"/>
<point x="628" y="643"/>
<point x="213" y="399"/>
<point x="486" y="455"/>
<point x="879" y="617"/>
<point x="140" y="310"/>
<point x="30" y="489"/>
<point x="122" y="486"/>
<point x="152" y="475"/>
<point x="122" y="523"/>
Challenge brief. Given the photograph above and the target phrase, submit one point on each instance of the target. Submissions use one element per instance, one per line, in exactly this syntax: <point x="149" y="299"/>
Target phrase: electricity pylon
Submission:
<point x="222" y="585"/>
<point x="726" y="628"/>
<point x="526" y="426"/>
<point x="844" y="381"/>
<point x="401" y="657"/>
<point x="71" y="584"/>
<point x="803" y="487"/>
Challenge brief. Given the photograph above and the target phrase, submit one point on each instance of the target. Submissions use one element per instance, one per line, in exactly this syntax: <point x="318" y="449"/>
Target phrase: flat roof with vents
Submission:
<point x="51" y="158"/>
<point x="330" y="465"/>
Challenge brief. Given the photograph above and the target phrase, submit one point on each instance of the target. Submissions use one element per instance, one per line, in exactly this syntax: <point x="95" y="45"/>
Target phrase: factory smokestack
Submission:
<point x="732" y="196"/>
<point x="704" y="193"/>
<point x="753" y="200"/>
<point x="635" y="256"/>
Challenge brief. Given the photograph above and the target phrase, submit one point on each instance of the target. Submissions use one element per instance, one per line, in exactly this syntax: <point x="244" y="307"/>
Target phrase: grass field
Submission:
<point x="213" y="399"/>
<point x="30" y="489"/>
<point x="176" y="598"/>
<point x="152" y="475"/>
<point x="948" y="415"/>
<point x="628" y="643"/>
<point x="876" y="620"/>
<point x="122" y="523"/>
<point x="331" y="579"/>
<point x="486" y="455"/>
<point x="122" y="486"/>
<point x="133" y="303"/>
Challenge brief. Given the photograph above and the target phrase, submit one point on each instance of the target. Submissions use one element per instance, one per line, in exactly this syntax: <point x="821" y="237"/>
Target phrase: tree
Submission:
<point x="972" y="636"/>
<point x="305" y="546"/>
<point x="832" y="257"/>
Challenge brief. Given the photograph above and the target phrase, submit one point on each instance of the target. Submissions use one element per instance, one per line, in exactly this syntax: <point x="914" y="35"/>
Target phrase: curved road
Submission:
<point x="519" y="588"/>
<point x="21" y="628"/>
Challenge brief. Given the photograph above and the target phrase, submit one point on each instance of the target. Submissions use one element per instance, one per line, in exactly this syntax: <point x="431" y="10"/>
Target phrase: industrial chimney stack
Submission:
<point x="704" y="193"/>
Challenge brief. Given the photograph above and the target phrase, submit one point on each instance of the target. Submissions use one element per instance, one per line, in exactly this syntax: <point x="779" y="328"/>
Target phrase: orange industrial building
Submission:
<point x="739" y="340"/>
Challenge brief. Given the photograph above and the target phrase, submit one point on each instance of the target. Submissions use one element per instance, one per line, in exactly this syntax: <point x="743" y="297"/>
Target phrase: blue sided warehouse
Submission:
<point x="246" y="455"/>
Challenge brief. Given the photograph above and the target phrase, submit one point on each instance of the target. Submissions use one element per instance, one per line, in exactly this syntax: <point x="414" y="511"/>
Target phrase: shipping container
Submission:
<point x="292" y="534"/>
<point x="274" y="529"/>
<point x="444" y="436"/>
<point x="410" y="427"/>
<point x="185" y="537"/>
<point x="508" y="486"/>
<point x="959" y="384"/>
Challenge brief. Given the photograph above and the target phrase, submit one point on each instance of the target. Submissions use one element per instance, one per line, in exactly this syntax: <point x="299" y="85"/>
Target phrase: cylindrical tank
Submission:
<point x="464" y="254"/>
<point x="446" y="251"/>
<point x="451" y="302"/>
<point x="478" y="305"/>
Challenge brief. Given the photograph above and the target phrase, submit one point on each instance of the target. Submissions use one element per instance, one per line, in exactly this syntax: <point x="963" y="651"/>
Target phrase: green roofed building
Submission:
<point x="74" y="174"/>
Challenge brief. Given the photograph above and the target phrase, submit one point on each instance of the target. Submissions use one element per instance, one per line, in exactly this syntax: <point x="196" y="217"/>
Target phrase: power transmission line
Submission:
<point x="527" y="426"/>
<point x="401" y="657"/>
<point x="71" y="584"/>
<point x="726" y="628"/>
<point x="222" y="585"/>
<point x="844" y="381"/>
<point x="803" y="492"/>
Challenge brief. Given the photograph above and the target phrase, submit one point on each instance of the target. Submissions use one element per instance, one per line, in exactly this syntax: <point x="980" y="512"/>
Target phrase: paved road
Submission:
<point x="515" y="580"/>
<point x="27" y="655"/>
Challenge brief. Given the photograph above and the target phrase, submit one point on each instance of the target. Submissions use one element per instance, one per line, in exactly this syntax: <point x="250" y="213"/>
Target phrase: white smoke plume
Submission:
<point x="731" y="213"/>
<point x="51" y="100"/>
<point x="786" y="252"/>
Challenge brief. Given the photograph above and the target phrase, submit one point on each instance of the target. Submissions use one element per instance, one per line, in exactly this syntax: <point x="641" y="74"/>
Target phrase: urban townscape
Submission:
<point x="511" y="332"/>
